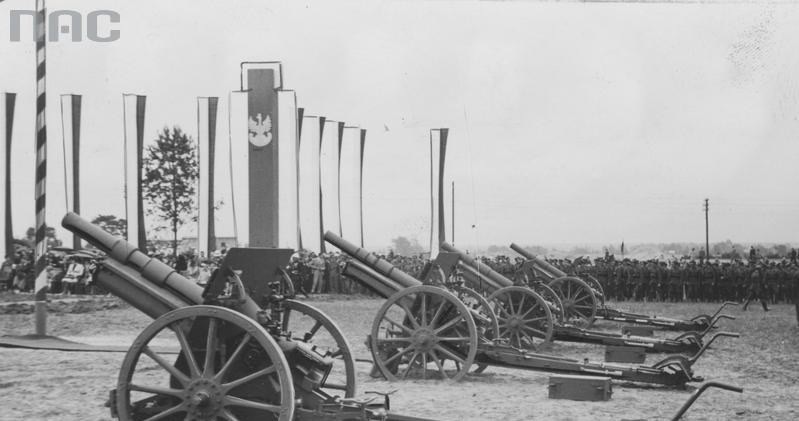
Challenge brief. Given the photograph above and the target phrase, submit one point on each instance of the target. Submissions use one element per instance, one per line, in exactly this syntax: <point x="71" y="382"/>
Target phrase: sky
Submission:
<point x="570" y="123"/>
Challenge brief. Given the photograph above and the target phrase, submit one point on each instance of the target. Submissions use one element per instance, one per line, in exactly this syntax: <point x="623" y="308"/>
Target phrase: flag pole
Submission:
<point x="40" y="249"/>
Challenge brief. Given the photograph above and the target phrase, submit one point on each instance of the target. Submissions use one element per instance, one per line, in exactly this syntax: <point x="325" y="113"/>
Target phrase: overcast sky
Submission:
<point x="569" y="122"/>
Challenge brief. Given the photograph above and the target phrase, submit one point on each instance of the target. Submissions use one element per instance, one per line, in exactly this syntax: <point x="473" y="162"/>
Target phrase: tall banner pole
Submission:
<point x="338" y="176"/>
<point x="206" y="148"/>
<point x="40" y="249"/>
<point x="438" y="152"/>
<point x="263" y="81"/>
<point x="300" y="116"/>
<point x="360" y="182"/>
<point x="7" y="102"/>
<point x="322" y="248"/>
<point x="134" y="107"/>
<point x="70" y="121"/>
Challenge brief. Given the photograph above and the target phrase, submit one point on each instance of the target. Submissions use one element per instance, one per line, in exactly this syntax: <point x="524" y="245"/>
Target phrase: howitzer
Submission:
<point x="247" y="351"/>
<point x="425" y="330"/>
<point x="483" y="278"/>
<point x="584" y="300"/>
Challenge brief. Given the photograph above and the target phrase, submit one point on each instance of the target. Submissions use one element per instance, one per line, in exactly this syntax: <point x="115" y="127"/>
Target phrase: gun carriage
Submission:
<point x="426" y="331"/>
<point x="584" y="300"/>
<point x="246" y="350"/>
<point x="565" y="306"/>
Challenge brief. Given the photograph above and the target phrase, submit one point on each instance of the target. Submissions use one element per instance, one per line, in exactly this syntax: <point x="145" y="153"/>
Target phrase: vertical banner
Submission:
<point x="310" y="179"/>
<point x="360" y="182"/>
<point x="70" y="123"/>
<point x="288" y="212"/>
<point x="239" y="167"/>
<point x="328" y="167"/>
<point x="7" y="102"/>
<point x="133" y="110"/>
<point x="350" y="184"/>
<point x="438" y="152"/>
<point x="206" y="151"/>
<point x="262" y="82"/>
<point x="300" y="116"/>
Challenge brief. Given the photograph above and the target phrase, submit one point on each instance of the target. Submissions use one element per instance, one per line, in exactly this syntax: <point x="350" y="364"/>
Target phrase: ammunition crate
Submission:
<point x="580" y="388"/>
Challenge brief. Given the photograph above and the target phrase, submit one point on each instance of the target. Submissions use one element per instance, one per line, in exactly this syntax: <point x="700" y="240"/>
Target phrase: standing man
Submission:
<point x="756" y="281"/>
<point x="318" y="267"/>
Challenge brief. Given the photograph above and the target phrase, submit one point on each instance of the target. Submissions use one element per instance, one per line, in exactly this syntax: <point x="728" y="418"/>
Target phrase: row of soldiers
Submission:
<point x="776" y="282"/>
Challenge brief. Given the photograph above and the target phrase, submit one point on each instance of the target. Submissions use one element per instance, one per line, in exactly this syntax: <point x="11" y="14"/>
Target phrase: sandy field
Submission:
<point x="67" y="386"/>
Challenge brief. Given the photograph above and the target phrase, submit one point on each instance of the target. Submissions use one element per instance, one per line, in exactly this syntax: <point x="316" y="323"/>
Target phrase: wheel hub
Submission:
<point x="204" y="398"/>
<point x="424" y="339"/>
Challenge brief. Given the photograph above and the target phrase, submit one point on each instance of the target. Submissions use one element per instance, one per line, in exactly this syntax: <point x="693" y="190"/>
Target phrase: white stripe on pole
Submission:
<point x="287" y="172"/>
<point x="309" y="200"/>
<point x="239" y="166"/>
<point x="350" y="184"/>
<point x="131" y="169"/>
<point x="328" y="167"/>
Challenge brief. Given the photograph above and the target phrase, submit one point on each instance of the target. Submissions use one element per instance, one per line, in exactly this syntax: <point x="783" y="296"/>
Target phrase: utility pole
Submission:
<point x="707" y="230"/>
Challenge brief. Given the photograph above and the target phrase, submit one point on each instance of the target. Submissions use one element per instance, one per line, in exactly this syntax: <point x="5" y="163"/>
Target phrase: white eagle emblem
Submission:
<point x="260" y="132"/>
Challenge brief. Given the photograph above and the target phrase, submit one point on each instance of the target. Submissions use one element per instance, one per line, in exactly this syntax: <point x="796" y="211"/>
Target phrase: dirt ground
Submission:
<point x="54" y="385"/>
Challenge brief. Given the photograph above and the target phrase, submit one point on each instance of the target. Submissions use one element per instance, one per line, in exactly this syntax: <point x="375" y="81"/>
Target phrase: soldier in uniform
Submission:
<point x="756" y="283"/>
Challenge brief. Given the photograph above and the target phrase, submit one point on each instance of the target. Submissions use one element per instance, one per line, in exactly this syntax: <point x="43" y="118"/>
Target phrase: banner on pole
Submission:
<point x="239" y="166"/>
<point x="262" y="82"/>
<point x="328" y="167"/>
<point x="288" y="208"/>
<point x="438" y="153"/>
<point x="350" y="184"/>
<point x="310" y="184"/>
<point x="7" y="103"/>
<point x="70" y="120"/>
<point x="133" y="110"/>
<point x="206" y="148"/>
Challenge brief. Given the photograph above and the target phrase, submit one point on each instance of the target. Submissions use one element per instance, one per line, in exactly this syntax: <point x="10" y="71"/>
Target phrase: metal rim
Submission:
<point x="342" y="353"/>
<point x="202" y="391"/>
<point x="422" y="326"/>
<point x="579" y="300"/>
<point x="525" y="319"/>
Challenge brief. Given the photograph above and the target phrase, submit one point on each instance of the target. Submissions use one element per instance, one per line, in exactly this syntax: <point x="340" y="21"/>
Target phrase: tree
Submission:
<point x="170" y="176"/>
<point x="49" y="236"/>
<point x="112" y="224"/>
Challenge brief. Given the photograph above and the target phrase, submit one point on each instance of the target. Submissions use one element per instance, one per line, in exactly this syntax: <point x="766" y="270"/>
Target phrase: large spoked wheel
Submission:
<point x="423" y="331"/>
<point x="525" y="319"/>
<point x="308" y="324"/>
<point x="547" y="293"/>
<point x="483" y="314"/>
<point x="229" y="368"/>
<point x="599" y="292"/>
<point x="578" y="298"/>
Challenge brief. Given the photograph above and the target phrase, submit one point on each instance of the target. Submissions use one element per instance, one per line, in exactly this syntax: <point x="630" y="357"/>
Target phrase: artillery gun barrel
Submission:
<point x="377" y="282"/>
<point x="142" y="281"/>
<point x="373" y="261"/>
<point x="541" y="263"/>
<point x="473" y="277"/>
<point x="481" y="268"/>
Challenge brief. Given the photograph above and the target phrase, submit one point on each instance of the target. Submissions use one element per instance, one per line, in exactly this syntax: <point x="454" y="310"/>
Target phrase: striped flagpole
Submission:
<point x="41" y="173"/>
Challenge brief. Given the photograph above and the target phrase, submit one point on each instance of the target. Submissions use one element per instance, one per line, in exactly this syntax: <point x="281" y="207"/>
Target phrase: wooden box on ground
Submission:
<point x="638" y="331"/>
<point x="580" y="388"/>
<point x="625" y="354"/>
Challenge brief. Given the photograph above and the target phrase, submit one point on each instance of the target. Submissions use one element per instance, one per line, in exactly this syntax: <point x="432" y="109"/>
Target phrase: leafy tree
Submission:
<point x="49" y="235"/>
<point x="112" y="224"/>
<point x="170" y="176"/>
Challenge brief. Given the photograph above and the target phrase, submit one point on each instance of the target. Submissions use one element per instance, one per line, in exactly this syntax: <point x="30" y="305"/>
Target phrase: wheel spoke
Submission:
<point x="239" y="349"/>
<point x="438" y="363"/>
<point x="228" y="416"/>
<point x="260" y="373"/>
<point x="210" y="348"/>
<point x="404" y="339"/>
<point x="521" y="304"/>
<point x="535" y="331"/>
<point x="439" y="311"/>
<point x="398" y="354"/>
<point x="409" y="315"/>
<point x="246" y="403"/>
<point x="449" y="354"/>
<point x="449" y="324"/>
<point x="424" y="366"/>
<point x="310" y="334"/>
<point x="404" y="329"/>
<point x="171" y="411"/>
<point x="535" y="319"/>
<point x="535" y="306"/>
<point x="178" y="393"/>
<point x="455" y="339"/>
<point x="410" y="365"/>
<point x="424" y="309"/>
<point x="186" y="348"/>
<point x="182" y="378"/>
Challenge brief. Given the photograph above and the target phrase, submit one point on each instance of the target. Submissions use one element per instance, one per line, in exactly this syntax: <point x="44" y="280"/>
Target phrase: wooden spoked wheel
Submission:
<point x="578" y="298"/>
<point x="551" y="297"/>
<point x="423" y="332"/>
<point x="308" y="324"/>
<point x="525" y="319"/>
<point x="229" y="368"/>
